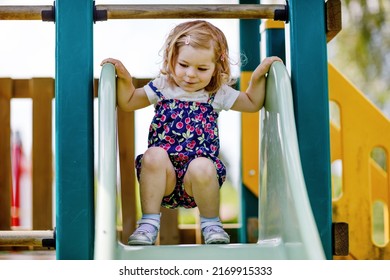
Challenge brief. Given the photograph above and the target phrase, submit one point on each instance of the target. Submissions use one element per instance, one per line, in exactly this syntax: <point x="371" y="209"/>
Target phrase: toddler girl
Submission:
<point x="181" y="167"/>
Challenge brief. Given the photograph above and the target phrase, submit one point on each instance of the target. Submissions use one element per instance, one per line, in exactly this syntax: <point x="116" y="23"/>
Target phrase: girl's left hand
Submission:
<point x="120" y="69"/>
<point x="263" y="68"/>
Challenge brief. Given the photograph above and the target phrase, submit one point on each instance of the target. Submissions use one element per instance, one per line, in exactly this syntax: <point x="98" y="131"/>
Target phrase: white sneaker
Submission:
<point x="144" y="236"/>
<point x="214" y="234"/>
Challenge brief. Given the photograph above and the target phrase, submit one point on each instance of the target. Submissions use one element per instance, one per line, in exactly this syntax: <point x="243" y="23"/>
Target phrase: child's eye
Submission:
<point x="203" y="69"/>
<point x="183" y="65"/>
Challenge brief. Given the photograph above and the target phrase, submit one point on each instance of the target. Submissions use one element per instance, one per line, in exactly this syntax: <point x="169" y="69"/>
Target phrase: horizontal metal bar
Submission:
<point x="37" y="238"/>
<point x="170" y="11"/>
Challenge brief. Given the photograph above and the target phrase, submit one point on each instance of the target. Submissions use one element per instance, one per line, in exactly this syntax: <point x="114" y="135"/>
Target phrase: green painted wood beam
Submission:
<point x="74" y="129"/>
<point x="309" y="76"/>
<point x="250" y="47"/>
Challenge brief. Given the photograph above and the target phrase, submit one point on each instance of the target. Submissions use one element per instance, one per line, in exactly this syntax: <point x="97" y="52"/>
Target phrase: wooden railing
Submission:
<point x="41" y="91"/>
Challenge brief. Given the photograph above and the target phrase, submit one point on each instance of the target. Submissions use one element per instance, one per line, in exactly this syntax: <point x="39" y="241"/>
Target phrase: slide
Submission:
<point x="287" y="229"/>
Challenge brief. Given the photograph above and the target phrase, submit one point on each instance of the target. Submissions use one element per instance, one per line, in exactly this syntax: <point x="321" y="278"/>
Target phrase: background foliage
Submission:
<point x="362" y="49"/>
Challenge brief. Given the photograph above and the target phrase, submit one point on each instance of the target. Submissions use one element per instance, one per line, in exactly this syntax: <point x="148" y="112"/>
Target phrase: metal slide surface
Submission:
<point x="287" y="228"/>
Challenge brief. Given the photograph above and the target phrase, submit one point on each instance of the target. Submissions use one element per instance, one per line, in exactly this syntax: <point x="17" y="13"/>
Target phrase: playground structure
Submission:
<point x="310" y="91"/>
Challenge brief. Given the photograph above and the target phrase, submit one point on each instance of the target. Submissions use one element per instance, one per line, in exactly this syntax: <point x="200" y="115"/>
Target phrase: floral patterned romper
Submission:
<point x="186" y="130"/>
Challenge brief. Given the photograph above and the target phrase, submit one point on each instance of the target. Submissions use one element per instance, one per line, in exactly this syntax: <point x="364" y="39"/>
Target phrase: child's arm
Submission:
<point x="129" y="98"/>
<point x="253" y="99"/>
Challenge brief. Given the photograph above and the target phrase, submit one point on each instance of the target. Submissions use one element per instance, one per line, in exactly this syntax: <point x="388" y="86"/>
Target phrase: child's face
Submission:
<point x="194" y="68"/>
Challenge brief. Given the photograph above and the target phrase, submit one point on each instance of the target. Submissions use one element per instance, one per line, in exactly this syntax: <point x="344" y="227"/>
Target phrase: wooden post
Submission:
<point x="169" y="231"/>
<point x="127" y="173"/>
<point x="333" y="19"/>
<point x="42" y="92"/>
<point x="5" y="153"/>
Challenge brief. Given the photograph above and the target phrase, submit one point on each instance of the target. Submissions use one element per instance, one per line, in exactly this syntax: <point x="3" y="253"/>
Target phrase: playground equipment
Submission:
<point x="74" y="115"/>
<point x="362" y="128"/>
<point x="309" y="79"/>
<point x="104" y="12"/>
<point x="287" y="227"/>
<point x="36" y="238"/>
<point x="41" y="92"/>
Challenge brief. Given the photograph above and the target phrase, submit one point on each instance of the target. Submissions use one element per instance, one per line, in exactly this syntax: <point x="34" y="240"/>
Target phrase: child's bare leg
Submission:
<point x="157" y="179"/>
<point x="201" y="182"/>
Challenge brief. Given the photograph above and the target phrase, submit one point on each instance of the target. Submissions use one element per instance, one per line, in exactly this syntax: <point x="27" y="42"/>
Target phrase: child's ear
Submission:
<point x="225" y="78"/>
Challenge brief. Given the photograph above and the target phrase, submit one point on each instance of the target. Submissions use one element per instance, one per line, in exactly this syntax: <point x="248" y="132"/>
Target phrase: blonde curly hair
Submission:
<point x="198" y="34"/>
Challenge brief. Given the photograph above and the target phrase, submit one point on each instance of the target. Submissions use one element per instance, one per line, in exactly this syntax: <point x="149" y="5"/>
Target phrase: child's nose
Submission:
<point x="191" y="72"/>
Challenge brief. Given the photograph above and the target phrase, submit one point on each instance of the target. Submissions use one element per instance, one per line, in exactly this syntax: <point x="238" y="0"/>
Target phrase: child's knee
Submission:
<point x="202" y="170"/>
<point x="154" y="158"/>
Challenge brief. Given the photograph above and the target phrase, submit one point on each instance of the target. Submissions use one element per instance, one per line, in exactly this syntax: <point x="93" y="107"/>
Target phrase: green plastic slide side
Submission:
<point x="285" y="213"/>
<point x="105" y="210"/>
<point x="287" y="229"/>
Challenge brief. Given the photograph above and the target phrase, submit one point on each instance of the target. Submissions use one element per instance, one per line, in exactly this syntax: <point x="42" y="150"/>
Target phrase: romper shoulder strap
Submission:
<point x="159" y="94"/>
<point x="211" y="98"/>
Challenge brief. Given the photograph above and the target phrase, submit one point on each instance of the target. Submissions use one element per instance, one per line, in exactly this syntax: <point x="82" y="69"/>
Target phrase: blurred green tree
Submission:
<point x="362" y="49"/>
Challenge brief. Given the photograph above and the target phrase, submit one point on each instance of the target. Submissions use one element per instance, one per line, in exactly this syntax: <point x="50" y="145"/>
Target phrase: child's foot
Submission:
<point x="213" y="233"/>
<point x="146" y="233"/>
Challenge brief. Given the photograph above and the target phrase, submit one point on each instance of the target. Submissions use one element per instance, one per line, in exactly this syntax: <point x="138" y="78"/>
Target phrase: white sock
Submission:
<point x="212" y="222"/>
<point x="149" y="227"/>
